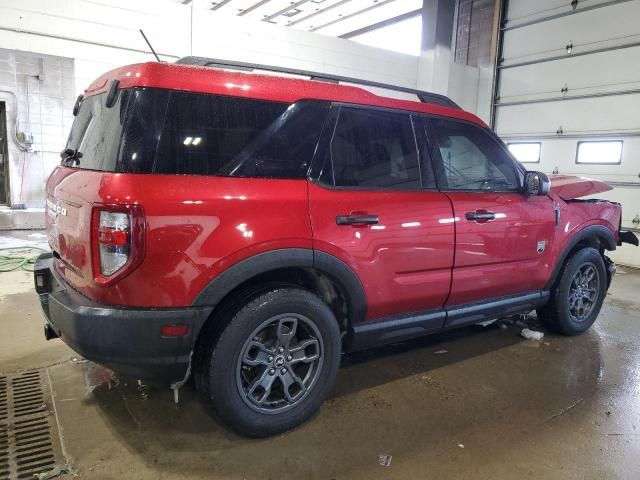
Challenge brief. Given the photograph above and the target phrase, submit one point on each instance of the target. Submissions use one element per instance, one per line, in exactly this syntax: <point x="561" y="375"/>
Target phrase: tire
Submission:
<point x="577" y="297"/>
<point x="273" y="365"/>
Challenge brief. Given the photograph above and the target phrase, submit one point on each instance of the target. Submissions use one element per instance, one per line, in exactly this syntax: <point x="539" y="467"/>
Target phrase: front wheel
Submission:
<point x="274" y="363"/>
<point x="577" y="298"/>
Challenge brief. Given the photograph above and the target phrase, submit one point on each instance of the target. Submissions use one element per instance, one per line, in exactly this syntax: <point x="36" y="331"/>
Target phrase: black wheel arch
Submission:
<point x="282" y="260"/>
<point x="597" y="236"/>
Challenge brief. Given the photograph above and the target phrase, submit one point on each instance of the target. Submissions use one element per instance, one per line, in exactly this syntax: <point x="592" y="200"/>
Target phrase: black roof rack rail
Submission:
<point x="425" y="97"/>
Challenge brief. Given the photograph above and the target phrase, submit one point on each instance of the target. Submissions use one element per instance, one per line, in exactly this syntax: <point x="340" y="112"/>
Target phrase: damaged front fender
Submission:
<point x="569" y="187"/>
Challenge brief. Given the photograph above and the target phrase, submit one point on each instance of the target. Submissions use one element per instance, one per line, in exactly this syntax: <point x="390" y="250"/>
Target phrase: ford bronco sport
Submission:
<point x="245" y="229"/>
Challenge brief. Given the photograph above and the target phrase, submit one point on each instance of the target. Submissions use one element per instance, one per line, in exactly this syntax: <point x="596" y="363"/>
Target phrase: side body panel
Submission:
<point x="509" y="255"/>
<point x="196" y="227"/>
<point x="404" y="262"/>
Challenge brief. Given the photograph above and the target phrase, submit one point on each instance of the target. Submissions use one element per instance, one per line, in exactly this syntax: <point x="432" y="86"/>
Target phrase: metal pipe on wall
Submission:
<point x="16" y="121"/>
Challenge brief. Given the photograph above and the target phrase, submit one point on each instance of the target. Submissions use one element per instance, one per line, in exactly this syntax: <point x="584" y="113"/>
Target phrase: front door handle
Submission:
<point x="364" y="219"/>
<point x="480" y="216"/>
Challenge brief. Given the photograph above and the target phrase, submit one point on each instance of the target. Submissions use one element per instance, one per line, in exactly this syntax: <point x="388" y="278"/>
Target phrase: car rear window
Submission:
<point x="97" y="131"/>
<point x="173" y="132"/>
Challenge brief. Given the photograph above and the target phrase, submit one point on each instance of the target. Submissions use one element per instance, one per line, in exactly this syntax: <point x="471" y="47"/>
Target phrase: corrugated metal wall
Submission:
<point x="570" y="71"/>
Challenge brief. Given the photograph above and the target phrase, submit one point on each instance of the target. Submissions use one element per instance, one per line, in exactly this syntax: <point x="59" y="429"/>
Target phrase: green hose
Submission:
<point x="19" y="258"/>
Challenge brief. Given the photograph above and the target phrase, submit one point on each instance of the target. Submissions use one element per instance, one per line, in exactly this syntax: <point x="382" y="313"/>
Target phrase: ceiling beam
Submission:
<point x="219" y="5"/>
<point x="382" y="24"/>
<point x="253" y="7"/>
<point x="351" y="15"/>
<point x="318" y="12"/>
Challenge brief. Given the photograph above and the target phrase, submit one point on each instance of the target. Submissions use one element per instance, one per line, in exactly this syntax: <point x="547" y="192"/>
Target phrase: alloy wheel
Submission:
<point x="583" y="292"/>
<point x="279" y="363"/>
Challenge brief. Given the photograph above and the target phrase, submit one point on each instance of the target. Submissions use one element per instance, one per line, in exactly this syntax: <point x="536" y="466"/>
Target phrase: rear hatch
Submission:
<point x="74" y="187"/>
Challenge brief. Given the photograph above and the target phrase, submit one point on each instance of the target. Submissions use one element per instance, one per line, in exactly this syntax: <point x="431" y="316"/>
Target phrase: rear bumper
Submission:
<point x="126" y="340"/>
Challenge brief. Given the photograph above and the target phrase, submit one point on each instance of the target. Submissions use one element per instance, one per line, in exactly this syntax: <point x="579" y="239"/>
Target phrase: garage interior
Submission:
<point x="557" y="80"/>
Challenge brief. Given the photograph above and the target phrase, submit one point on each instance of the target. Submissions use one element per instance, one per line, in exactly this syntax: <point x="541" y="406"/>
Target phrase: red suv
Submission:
<point x="246" y="229"/>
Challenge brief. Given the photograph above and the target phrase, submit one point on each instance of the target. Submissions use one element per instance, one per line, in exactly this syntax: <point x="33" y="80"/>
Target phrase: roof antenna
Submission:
<point x="149" y="43"/>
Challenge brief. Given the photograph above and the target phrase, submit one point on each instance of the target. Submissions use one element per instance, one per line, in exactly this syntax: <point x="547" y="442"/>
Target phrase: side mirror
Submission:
<point x="536" y="183"/>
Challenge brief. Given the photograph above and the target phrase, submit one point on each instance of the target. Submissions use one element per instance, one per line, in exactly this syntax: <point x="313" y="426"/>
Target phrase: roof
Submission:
<point x="201" y="79"/>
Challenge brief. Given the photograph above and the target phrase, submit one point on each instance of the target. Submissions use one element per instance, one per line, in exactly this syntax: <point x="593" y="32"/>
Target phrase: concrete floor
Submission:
<point x="480" y="403"/>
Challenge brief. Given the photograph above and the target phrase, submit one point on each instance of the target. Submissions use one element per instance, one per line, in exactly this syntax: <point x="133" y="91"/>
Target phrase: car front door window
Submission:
<point x="472" y="160"/>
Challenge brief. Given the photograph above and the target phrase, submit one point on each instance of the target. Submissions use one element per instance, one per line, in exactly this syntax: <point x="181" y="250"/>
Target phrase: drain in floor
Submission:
<point x="29" y="441"/>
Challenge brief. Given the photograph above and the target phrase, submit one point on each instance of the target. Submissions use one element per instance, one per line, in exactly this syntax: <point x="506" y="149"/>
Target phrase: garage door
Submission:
<point x="569" y="94"/>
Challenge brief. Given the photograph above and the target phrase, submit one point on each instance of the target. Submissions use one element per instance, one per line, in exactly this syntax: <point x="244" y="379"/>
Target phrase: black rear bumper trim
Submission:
<point x="126" y="340"/>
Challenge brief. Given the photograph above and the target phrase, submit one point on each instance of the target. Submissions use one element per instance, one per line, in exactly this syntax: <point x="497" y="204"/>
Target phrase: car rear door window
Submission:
<point x="472" y="159"/>
<point x="233" y="136"/>
<point x="373" y="149"/>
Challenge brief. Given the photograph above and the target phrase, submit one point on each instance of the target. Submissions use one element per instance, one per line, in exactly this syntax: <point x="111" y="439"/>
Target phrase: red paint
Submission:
<point x="268" y="87"/>
<point x="404" y="262"/>
<point x="423" y="254"/>
<point x="195" y="227"/>
<point x="499" y="257"/>
<point x="568" y="187"/>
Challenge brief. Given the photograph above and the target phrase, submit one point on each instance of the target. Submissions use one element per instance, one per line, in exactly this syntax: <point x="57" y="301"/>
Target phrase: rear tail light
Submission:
<point x="118" y="241"/>
<point x="114" y="241"/>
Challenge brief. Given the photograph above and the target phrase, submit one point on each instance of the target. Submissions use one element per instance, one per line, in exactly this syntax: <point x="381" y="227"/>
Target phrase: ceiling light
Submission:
<point x="292" y="12"/>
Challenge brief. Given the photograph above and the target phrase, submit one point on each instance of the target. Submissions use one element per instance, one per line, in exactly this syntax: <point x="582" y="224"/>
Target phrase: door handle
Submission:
<point x="480" y="216"/>
<point x="364" y="219"/>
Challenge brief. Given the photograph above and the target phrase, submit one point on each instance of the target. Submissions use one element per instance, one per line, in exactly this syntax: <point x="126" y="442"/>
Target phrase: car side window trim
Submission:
<point x="426" y="157"/>
<point x="438" y="161"/>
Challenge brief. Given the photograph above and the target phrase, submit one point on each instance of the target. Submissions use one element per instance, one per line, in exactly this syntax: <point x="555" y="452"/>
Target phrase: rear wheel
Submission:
<point x="577" y="298"/>
<point x="274" y="363"/>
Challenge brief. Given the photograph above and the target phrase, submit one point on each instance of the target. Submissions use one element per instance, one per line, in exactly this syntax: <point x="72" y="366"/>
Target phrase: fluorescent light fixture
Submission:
<point x="604" y="152"/>
<point x="525" y="152"/>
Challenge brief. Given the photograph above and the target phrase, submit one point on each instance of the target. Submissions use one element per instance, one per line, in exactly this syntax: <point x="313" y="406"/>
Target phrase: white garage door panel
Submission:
<point x="560" y="154"/>
<point x="526" y="10"/>
<point x="596" y="115"/>
<point x="596" y="28"/>
<point x="521" y="11"/>
<point x="599" y="115"/>
<point x="597" y="73"/>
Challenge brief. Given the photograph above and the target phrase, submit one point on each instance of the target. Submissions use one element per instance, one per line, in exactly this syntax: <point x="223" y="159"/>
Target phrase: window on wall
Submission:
<point x="528" y="152"/>
<point x="600" y="152"/>
<point x="403" y="37"/>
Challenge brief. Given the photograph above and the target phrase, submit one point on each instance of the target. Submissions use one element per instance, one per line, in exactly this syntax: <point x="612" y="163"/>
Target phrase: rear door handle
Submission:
<point x="357" y="219"/>
<point x="480" y="216"/>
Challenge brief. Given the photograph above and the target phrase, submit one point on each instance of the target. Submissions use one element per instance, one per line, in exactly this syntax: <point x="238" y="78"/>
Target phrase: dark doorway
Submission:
<point x="4" y="156"/>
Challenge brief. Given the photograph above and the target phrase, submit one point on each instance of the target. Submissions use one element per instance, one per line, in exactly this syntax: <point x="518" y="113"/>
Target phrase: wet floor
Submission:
<point x="477" y="403"/>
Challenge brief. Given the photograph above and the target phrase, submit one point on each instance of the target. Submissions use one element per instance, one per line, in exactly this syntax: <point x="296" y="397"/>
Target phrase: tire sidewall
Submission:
<point x="223" y="390"/>
<point x="565" y="322"/>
